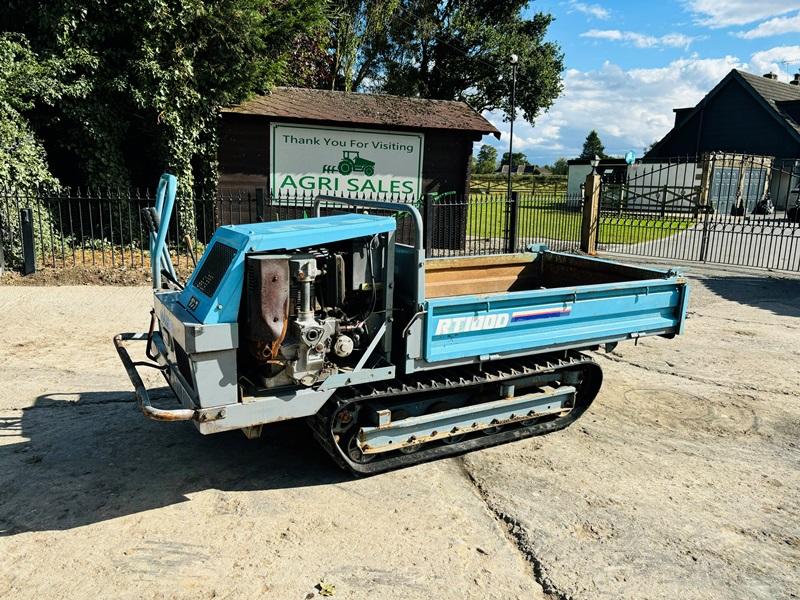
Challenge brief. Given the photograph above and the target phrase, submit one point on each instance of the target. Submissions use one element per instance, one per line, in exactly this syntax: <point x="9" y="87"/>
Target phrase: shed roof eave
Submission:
<point x="476" y="134"/>
<point x="372" y="110"/>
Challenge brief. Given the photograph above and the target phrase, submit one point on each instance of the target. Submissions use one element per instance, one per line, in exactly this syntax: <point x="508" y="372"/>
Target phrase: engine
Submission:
<point x="306" y="314"/>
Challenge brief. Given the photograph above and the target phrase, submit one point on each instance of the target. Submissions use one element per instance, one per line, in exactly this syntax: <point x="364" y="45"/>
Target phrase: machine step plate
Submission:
<point x="466" y="419"/>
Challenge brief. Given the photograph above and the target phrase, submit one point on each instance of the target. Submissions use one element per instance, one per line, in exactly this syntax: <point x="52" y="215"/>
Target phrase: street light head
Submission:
<point x="595" y="162"/>
<point x="514" y="58"/>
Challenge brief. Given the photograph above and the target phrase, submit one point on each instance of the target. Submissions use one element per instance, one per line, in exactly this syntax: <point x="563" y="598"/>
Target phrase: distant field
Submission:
<point x="494" y="185"/>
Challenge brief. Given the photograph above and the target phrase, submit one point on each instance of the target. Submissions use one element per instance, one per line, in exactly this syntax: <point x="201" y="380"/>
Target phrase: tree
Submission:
<point x="487" y="160"/>
<point x="560" y="167"/>
<point x="159" y="74"/>
<point x="309" y="64"/>
<point x="357" y="36"/>
<point x="593" y="146"/>
<point x="26" y="80"/>
<point x="519" y="159"/>
<point x="455" y="50"/>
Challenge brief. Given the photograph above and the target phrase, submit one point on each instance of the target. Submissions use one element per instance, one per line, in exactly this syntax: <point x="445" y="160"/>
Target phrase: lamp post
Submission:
<point x="595" y="162"/>
<point x="513" y="59"/>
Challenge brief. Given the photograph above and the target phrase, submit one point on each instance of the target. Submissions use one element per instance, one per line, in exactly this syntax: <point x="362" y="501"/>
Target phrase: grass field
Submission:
<point x="548" y="219"/>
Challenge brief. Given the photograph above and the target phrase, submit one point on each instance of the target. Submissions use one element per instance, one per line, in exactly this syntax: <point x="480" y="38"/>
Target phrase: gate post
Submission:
<point x="2" y="255"/>
<point x="512" y="234"/>
<point x="260" y="205"/>
<point x="591" y="213"/>
<point x="704" y="237"/>
<point x="28" y="247"/>
<point x="429" y="224"/>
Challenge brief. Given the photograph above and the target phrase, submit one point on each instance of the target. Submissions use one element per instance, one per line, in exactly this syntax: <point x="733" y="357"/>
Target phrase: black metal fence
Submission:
<point x="93" y="228"/>
<point x="495" y="224"/>
<point x="723" y="208"/>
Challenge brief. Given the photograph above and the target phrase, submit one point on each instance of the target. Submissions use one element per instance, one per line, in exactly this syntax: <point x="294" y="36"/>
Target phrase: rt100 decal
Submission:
<point x="453" y="325"/>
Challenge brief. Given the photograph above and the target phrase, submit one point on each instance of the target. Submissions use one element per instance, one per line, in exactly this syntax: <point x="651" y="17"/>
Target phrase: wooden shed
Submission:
<point x="320" y="141"/>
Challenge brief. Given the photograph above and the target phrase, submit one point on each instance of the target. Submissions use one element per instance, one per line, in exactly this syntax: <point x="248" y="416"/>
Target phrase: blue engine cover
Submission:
<point x="213" y="293"/>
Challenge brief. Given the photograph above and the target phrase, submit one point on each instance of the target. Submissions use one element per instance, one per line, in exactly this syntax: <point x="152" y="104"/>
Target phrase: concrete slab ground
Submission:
<point x="681" y="481"/>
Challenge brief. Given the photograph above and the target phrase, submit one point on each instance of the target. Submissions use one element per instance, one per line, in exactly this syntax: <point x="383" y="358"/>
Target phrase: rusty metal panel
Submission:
<point x="267" y="304"/>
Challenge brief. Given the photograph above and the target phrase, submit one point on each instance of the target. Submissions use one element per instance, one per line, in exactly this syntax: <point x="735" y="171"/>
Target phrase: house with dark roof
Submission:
<point x="744" y="113"/>
<point x="307" y="141"/>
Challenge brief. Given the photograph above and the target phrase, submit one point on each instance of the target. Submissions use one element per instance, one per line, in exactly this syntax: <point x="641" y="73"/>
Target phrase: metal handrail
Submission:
<point x="379" y="204"/>
<point x="159" y="254"/>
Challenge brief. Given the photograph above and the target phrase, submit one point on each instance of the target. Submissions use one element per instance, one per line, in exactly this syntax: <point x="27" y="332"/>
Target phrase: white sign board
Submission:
<point x="309" y="160"/>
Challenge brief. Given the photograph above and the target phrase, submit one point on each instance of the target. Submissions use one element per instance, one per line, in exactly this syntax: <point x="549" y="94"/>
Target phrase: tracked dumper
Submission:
<point x="392" y="357"/>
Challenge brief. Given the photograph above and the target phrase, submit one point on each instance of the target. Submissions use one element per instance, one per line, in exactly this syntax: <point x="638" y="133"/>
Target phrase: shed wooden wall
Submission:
<point x="244" y="155"/>
<point x="243" y="152"/>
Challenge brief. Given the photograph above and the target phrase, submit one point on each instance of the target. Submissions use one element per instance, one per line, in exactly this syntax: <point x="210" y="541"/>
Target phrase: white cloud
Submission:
<point x="629" y="108"/>
<point x="776" y="26"/>
<point x="593" y="10"/>
<point x="640" y="40"/>
<point x="724" y="13"/>
<point x="774" y="59"/>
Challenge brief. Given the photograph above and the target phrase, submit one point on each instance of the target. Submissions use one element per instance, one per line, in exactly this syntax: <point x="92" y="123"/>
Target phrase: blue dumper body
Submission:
<point x="541" y="320"/>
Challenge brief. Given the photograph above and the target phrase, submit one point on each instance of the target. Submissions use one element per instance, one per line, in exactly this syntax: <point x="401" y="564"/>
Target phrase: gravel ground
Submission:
<point x="682" y="480"/>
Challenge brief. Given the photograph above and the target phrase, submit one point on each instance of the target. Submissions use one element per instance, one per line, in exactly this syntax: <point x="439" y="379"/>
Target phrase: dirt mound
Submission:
<point x="85" y="275"/>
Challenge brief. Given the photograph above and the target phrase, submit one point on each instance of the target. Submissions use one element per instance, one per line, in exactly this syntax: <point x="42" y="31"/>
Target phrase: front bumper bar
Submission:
<point x="142" y="396"/>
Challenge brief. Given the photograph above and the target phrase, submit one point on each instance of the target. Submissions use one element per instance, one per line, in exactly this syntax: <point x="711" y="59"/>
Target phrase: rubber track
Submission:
<point x="449" y="379"/>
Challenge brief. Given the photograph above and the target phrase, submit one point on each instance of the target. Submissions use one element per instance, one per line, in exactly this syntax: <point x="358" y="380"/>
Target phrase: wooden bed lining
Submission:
<point x="446" y="277"/>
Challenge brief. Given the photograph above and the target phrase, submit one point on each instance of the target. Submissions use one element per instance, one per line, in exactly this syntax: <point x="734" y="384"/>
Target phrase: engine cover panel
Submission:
<point x="267" y="303"/>
<point x="223" y="305"/>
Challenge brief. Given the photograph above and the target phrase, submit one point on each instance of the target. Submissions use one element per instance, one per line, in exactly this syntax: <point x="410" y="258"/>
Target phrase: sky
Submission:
<point x="628" y="64"/>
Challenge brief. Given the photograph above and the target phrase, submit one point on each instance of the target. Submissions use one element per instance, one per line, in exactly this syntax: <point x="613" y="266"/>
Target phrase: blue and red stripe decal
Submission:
<point x="542" y="313"/>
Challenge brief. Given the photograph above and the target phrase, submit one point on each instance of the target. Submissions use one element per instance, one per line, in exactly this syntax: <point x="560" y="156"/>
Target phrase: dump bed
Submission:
<point x="484" y="308"/>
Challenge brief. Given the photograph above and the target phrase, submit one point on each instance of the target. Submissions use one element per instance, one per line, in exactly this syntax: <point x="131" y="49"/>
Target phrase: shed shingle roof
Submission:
<point x="364" y="109"/>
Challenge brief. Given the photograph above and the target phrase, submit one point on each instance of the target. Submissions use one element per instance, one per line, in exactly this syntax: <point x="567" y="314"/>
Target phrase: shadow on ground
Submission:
<point x="91" y="458"/>
<point x="779" y="296"/>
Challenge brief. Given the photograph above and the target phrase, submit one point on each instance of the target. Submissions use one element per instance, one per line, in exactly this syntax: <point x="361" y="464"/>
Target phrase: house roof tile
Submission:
<point x="782" y="97"/>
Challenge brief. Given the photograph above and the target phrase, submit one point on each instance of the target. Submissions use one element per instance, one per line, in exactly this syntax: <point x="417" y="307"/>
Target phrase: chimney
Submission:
<point x="771" y="75"/>
<point x="796" y="80"/>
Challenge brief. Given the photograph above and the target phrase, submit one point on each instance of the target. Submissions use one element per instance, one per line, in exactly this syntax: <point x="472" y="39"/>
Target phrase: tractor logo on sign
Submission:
<point x="351" y="162"/>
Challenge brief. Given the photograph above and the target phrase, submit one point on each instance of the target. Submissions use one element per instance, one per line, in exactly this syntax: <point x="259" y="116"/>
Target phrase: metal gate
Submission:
<point x="723" y="208"/>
